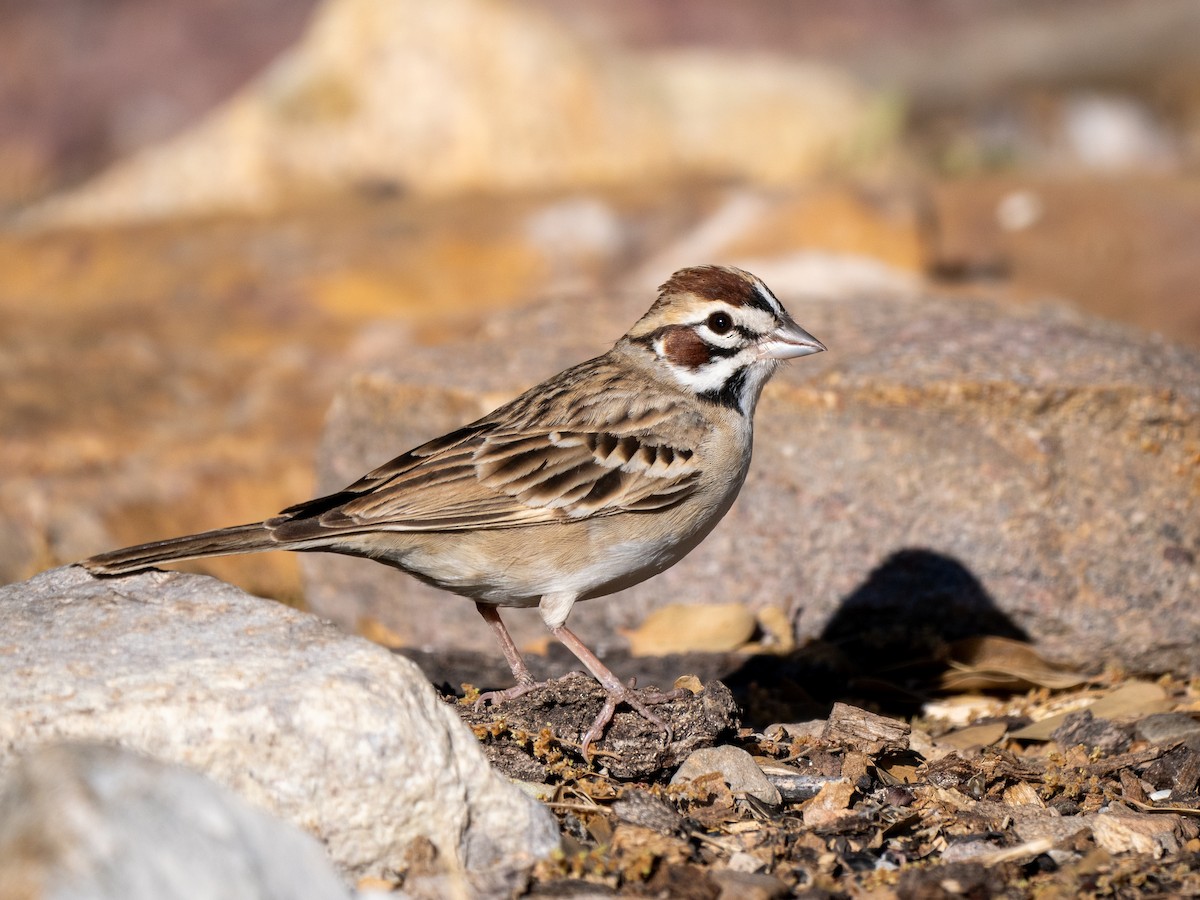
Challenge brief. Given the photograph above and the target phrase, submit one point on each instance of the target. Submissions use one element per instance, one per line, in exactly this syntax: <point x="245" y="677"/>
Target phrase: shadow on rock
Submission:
<point x="887" y="646"/>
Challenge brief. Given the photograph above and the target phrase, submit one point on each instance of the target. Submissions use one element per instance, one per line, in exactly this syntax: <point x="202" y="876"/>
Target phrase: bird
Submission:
<point x="592" y="481"/>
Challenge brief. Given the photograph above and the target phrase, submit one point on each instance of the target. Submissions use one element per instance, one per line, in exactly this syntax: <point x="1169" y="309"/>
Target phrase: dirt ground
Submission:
<point x="990" y="773"/>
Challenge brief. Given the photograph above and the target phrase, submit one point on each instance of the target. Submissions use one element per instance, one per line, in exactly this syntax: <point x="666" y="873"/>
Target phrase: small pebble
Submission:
<point x="736" y="766"/>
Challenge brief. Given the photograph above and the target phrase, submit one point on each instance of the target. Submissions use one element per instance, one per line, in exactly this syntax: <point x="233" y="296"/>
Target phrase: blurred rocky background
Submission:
<point x="215" y="217"/>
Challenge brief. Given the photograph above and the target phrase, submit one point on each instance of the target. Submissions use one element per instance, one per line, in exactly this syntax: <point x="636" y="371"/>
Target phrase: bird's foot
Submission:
<point x="520" y="689"/>
<point x="639" y="701"/>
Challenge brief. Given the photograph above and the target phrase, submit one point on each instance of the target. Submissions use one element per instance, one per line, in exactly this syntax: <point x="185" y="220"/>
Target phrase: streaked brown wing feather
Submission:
<point x="499" y="472"/>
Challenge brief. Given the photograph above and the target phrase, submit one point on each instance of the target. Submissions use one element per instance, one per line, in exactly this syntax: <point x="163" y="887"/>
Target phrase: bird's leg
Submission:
<point x="491" y="615"/>
<point x="525" y="682"/>
<point x="617" y="692"/>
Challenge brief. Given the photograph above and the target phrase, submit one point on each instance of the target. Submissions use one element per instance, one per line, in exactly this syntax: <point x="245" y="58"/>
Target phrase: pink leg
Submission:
<point x="491" y="615"/>
<point x="617" y="692"/>
<point x="525" y="682"/>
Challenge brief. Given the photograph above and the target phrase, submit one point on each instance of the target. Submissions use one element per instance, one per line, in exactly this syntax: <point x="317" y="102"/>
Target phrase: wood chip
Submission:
<point x="1115" y="763"/>
<point x="1137" y="833"/>
<point x="865" y="731"/>
<point x="1022" y="794"/>
<point x="1131" y="786"/>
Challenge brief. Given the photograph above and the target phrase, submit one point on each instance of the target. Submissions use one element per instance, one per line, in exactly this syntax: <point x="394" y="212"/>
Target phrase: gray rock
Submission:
<point x="736" y="766"/>
<point x="88" y="820"/>
<point x="329" y="732"/>
<point x="1163" y="729"/>
<point x="1103" y="735"/>
<point x="952" y="464"/>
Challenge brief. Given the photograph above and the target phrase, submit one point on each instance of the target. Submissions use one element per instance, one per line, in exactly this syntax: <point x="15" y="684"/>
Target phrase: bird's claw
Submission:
<point x="520" y="689"/>
<point x="639" y="701"/>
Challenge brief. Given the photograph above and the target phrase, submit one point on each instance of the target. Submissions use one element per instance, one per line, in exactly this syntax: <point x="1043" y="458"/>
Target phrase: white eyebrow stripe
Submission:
<point x="770" y="299"/>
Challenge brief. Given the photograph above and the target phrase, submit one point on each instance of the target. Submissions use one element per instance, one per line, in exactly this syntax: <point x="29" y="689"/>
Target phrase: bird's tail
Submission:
<point x="223" y="542"/>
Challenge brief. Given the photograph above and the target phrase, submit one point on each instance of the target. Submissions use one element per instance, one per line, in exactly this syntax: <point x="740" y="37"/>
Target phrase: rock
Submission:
<point x="950" y="468"/>
<point x="1050" y="238"/>
<point x="736" y="766"/>
<point x="1164" y="729"/>
<point x="1102" y="735"/>
<point x="331" y="733"/>
<point x="88" y="820"/>
<point x="495" y="97"/>
<point x="748" y="885"/>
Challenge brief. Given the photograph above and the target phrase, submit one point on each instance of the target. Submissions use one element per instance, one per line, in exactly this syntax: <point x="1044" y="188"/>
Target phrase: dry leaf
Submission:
<point x="539" y="646"/>
<point x="370" y="883"/>
<point x="637" y="851"/>
<point x="902" y="769"/>
<point x="692" y="629"/>
<point x="690" y="683"/>
<point x="993" y="663"/>
<point x="962" y="709"/>
<point x="708" y="798"/>
<point x="1134" y="698"/>
<point x="776" y="628"/>
<point x="974" y="736"/>
<point x="831" y="805"/>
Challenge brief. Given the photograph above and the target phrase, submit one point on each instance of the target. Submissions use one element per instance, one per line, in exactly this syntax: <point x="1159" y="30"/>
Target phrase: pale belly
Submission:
<point x="518" y="567"/>
<point x="523" y="577"/>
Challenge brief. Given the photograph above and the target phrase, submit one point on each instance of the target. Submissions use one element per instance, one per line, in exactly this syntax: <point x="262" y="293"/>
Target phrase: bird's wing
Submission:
<point x="497" y="473"/>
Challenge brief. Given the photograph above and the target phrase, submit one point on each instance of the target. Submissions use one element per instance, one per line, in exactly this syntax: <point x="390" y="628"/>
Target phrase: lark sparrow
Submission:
<point x="590" y="482"/>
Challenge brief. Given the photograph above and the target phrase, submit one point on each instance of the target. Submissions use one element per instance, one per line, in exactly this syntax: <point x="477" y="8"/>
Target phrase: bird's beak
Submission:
<point x="788" y="341"/>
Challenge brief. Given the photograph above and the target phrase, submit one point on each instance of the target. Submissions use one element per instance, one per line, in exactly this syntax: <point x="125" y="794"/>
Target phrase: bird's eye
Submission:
<point x="719" y="323"/>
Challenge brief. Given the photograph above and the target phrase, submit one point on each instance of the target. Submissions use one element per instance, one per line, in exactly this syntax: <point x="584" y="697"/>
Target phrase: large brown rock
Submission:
<point x="470" y="95"/>
<point x="954" y="464"/>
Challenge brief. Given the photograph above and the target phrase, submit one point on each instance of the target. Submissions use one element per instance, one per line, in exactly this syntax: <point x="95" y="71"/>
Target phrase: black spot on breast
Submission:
<point x="730" y="393"/>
